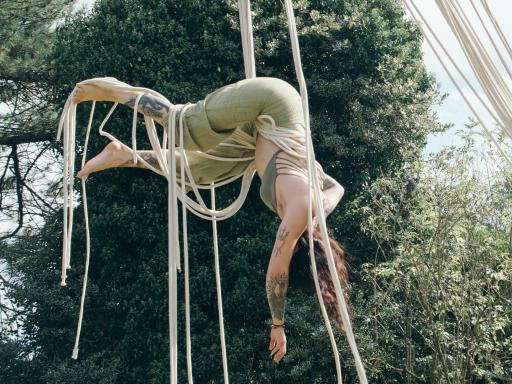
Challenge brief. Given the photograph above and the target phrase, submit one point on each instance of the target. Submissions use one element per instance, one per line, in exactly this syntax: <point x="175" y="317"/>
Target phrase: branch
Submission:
<point x="21" y="137"/>
<point x="34" y="162"/>
<point x="36" y="195"/>
<point x="19" y="192"/>
<point x="3" y="177"/>
<point x="10" y="309"/>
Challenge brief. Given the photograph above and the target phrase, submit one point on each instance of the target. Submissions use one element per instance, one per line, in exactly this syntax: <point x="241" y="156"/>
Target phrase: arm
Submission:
<point x="153" y="106"/>
<point x="333" y="192"/>
<point x="290" y="230"/>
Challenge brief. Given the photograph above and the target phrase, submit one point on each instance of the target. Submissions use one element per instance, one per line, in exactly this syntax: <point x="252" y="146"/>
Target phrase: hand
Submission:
<point x="277" y="346"/>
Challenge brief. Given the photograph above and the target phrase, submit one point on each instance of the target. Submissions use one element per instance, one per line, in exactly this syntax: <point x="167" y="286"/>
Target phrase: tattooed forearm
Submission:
<point x="282" y="234"/>
<point x="277" y="281"/>
<point x="149" y="105"/>
<point x="276" y="292"/>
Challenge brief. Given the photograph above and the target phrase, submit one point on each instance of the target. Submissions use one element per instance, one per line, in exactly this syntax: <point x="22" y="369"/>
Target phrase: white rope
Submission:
<point x="177" y="190"/>
<point x="491" y="39"/>
<point x="134" y="128"/>
<point x="484" y="68"/>
<point x="497" y="28"/>
<point x="219" y="289"/>
<point x="312" y="177"/>
<point x="65" y="202"/>
<point x="452" y="78"/>
<point x="74" y="354"/>
<point x="488" y="76"/>
<point x="185" y="261"/>
<point x="173" y="247"/>
<point x="244" y="11"/>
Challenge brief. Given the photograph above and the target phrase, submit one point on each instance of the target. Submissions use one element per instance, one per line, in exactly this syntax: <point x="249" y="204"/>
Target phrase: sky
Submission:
<point x="454" y="109"/>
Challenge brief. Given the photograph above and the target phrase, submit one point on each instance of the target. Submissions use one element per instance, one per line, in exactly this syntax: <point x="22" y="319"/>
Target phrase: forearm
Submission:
<point x="277" y="274"/>
<point x="333" y="192"/>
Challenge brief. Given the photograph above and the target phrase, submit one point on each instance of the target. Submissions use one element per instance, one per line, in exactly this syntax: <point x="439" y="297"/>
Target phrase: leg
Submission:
<point x="204" y="170"/>
<point x="242" y="102"/>
<point x="115" y="156"/>
<point x="106" y="90"/>
<point x="210" y="121"/>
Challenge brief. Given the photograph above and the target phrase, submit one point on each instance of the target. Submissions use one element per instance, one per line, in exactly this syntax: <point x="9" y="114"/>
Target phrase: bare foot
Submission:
<point x="87" y="92"/>
<point x="113" y="155"/>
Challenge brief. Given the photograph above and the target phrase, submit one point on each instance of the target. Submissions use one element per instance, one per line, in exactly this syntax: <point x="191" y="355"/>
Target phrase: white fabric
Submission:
<point x="244" y="11"/>
<point x="312" y="176"/>
<point x="499" y="95"/>
<point x="219" y="290"/>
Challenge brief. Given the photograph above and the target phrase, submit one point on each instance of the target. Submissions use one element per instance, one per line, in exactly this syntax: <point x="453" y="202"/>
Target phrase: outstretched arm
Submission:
<point x="153" y="106"/>
<point x="290" y="230"/>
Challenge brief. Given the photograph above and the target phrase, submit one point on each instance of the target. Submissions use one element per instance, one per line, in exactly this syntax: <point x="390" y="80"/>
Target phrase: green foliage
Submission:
<point x="438" y="310"/>
<point x="369" y="96"/>
<point x="26" y="41"/>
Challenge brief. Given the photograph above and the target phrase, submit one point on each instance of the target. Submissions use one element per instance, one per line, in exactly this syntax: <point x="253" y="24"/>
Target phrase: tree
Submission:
<point x="370" y="96"/>
<point x="26" y="117"/>
<point x="438" y="308"/>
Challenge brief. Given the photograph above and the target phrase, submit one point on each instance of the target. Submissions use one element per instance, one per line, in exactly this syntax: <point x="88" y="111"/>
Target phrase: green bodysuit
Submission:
<point x="214" y="126"/>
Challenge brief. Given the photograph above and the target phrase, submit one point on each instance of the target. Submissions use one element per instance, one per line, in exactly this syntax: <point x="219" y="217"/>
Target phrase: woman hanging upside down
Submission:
<point x="245" y="108"/>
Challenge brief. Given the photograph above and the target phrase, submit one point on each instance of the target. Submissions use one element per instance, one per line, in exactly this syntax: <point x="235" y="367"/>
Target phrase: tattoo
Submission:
<point x="327" y="183"/>
<point x="276" y="292"/>
<point x="151" y="106"/>
<point x="150" y="158"/>
<point x="282" y="234"/>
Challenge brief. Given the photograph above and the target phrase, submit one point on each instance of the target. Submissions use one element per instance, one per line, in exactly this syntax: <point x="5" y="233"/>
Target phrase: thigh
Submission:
<point x="242" y="102"/>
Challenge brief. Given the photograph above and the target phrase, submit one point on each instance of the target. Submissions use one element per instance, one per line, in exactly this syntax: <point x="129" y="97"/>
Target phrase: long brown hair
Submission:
<point x="301" y="258"/>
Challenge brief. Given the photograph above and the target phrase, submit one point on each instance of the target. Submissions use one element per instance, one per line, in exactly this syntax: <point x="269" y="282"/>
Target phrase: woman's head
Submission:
<point x="298" y="271"/>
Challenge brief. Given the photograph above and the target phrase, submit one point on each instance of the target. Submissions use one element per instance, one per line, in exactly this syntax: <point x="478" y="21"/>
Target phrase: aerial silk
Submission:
<point x="496" y="97"/>
<point x="178" y="187"/>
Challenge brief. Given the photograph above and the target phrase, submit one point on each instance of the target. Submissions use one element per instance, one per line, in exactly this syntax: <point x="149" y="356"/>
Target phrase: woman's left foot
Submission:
<point x="113" y="155"/>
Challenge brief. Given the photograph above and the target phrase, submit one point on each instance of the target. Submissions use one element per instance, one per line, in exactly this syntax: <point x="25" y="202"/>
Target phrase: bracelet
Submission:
<point x="277" y="326"/>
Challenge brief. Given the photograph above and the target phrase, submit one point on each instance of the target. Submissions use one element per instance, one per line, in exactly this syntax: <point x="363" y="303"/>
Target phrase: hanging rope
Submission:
<point x="497" y="28"/>
<point x="244" y="11"/>
<point x="219" y="290"/>
<point x="317" y="195"/>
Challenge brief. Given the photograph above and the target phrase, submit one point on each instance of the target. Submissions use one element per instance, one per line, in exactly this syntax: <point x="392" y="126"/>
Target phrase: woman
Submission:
<point x="284" y="186"/>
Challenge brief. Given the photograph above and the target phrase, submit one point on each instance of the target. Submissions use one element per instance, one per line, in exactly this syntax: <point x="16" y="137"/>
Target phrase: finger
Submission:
<point x="271" y="344"/>
<point x="276" y="348"/>
<point x="279" y="356"/>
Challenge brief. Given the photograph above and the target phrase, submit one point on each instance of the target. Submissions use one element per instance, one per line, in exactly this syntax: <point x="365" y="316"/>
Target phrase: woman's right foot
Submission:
<point x="113" y="155"/>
